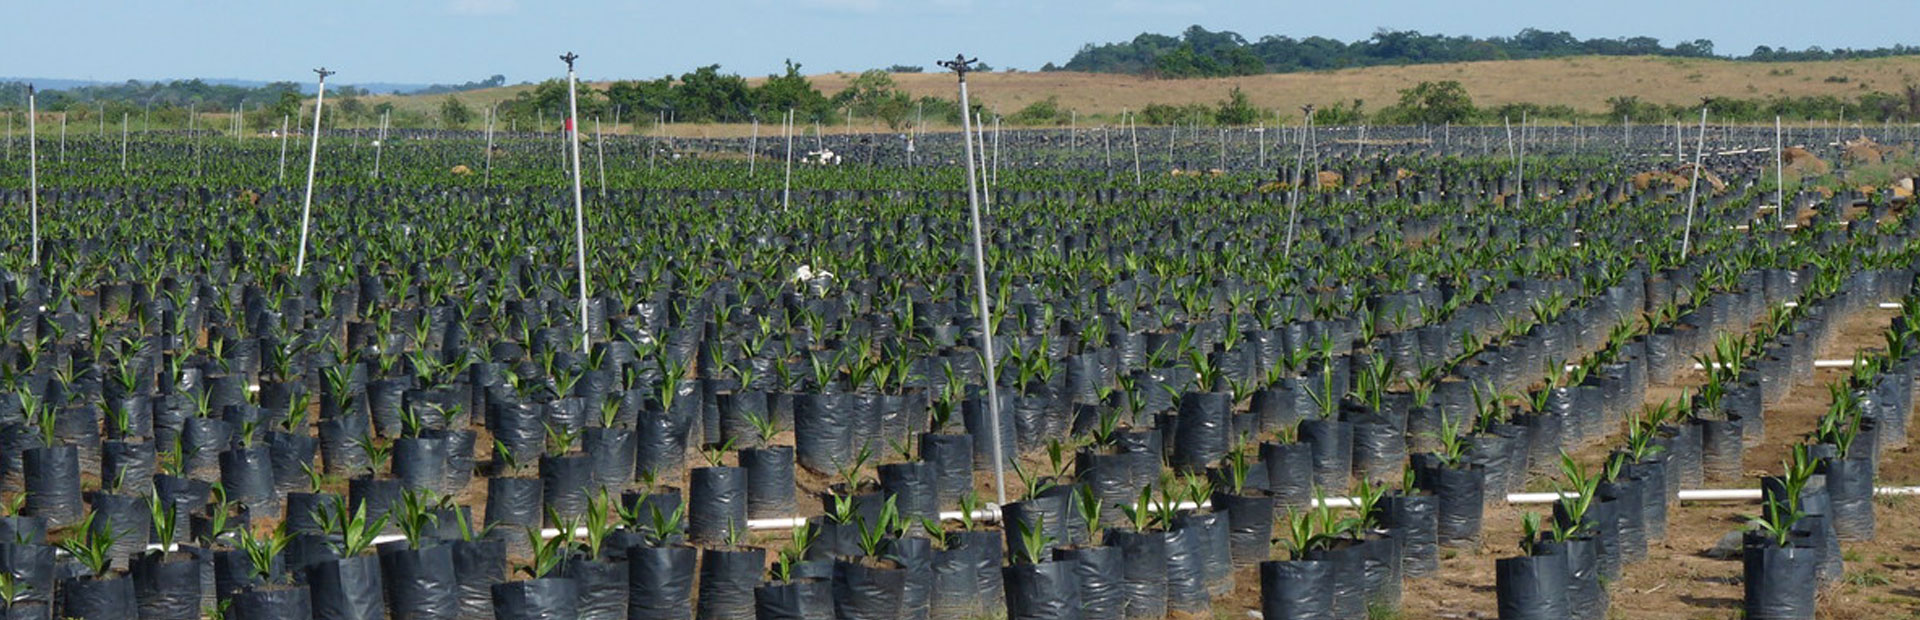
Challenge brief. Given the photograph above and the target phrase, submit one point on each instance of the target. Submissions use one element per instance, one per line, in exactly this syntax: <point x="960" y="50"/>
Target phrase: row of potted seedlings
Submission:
<point x="1824" y="493"/>
<point x="381" y="378"/>
<point x="1779" y="353"/>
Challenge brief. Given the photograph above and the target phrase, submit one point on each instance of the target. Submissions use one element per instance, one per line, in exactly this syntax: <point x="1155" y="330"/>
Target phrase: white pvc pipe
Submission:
<point x="1885" y="305"/>
<point x="33" y="172"/>
<point x="974" y="206"/>
<point x="313" y="158"/>
<point x="1693" y="188"/>
<point x="579" y="211"/>
<point x="1699" y="495"/>
<point x="1816" y="364"/>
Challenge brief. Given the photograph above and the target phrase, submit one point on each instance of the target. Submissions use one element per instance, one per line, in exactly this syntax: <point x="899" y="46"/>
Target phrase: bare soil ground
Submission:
<point x="1677" y="580"/>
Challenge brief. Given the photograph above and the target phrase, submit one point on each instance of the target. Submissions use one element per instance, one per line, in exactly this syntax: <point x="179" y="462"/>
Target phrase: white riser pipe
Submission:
<point x="1699" y="495"/>
<point x="1885" y="305"/>
<point x="1816" y="364"/>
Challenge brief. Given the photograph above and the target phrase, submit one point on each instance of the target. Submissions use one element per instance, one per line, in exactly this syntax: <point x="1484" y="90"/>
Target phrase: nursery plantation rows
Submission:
<point x="1228" y="372"/>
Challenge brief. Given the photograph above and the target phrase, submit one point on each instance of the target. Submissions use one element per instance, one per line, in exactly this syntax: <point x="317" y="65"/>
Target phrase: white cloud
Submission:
<point x="482" y="7"/>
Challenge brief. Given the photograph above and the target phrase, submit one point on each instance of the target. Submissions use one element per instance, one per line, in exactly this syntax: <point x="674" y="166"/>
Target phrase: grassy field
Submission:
<point x="1584" y="83"/>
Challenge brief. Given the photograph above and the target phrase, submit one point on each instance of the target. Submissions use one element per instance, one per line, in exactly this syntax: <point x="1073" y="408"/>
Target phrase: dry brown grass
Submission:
<point x="1584" y="83"/>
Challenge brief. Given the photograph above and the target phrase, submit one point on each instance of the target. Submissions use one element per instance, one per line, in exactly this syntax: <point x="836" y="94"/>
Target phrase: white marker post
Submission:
<point x="993" y="176"/>
<point x="1520" y="163"/>
<point x="379" y="145"/>
<point x="123" y="141"/>
<point x="1678" y="150"/>
<point x="33" y="174"/>
<point x="1222" y="142"/>
<point x="986" y="170"/>
<point x="600" y="157"/>
<point x="283" y="148"/>
<point x="753" y="145"/>
<point x="1693" y="188"/>
<point x="491" y="116"/>
<point x="1299" y="179"/>
<point x="960" y="66"/>
<point x="1106" y="148"/>
<point x="313" y="158"/>
<point x="1780" y="173"/>
<point x="786" y="187"/>
<point x="1133" y="133"/>
<point x="579" y="210"/>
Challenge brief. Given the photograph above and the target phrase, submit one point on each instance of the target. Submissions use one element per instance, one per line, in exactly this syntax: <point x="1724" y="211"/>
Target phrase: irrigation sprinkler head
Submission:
<point x="960" y="65"/>
<point x="569" y="57"/>
<point x="323" y="72"/>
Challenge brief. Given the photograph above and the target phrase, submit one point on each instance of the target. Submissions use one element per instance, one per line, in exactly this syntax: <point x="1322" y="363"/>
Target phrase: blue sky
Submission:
<point x="422" y="41"/>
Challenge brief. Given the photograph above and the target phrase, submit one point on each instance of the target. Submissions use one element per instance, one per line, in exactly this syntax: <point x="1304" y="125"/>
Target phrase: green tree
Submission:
<point x="1434" y="103"/>
<point x="455" y="114"/>
<point x="548" y="100"/>
<point x="1043" y="112"/>
<point x="708" y="95"/>
<point x="348" y="109"/>
<point x="1184" y="62"/>
<point x="1236" y="109"/>
<point x="789" y="91"/>
<point x="873" y="94"/>
<point x="642" y="100"/>
<point x="286" y="106"/>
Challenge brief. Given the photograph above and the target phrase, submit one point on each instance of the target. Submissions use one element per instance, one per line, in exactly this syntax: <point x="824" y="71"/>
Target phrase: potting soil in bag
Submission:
<point x="1186" y="570"/>
<point x="1043" y="591"/>
<point x="1778" y="582"/>
<point x="1097" y="571"/>
<point x="1532" y="587"/>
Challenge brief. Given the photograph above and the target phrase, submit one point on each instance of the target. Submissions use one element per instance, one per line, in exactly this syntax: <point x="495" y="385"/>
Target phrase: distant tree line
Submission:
<point x="494" y="81"/>
<point x="168" y="104"/>
<point x="707" y="95"/>
<point x="1198" y="52"/>
<point x="1443" y="102"/>
<point x="195" y="94"/>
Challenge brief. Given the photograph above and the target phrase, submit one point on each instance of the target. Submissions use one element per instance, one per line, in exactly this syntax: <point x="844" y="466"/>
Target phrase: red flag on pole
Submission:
<point x="569" y="124"/>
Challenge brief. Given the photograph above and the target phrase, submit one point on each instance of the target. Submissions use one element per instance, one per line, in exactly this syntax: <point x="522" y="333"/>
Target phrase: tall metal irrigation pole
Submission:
<point x="313" y="157"/>
<point x="1299" y="179"/>
<point x="1693" y="188"/>
<point x="960" y="66"/>
<point x="33" y="173"/>
<point x="1779" y="174"/>
<point x="579" y="211"/>
<point x="283" y="149"/>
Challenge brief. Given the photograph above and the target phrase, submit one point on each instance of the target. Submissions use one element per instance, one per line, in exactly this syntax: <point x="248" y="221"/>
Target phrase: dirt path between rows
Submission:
<point x="1677" y="580"/>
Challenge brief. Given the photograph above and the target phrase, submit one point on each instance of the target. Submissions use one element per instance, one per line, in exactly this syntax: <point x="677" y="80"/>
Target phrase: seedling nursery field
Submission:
<point x="1385" y="372"/>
